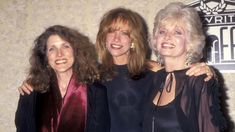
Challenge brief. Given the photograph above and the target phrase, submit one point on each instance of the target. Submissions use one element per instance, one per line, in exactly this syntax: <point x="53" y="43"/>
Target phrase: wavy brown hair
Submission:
<point x="138" y="33"/>
<point x="85" y="61"/>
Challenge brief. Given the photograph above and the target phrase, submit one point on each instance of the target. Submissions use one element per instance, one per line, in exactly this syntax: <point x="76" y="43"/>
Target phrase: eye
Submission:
<point x="125" y="33"/>
<point x="177" y="32"/>
<point x="161" y="32"/>
<point x="67" y="45"/>
<point x="51" y="49"/>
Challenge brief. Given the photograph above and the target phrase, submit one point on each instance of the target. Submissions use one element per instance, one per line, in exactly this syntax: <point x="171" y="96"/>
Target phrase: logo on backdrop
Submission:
<point x="218" y="18"/>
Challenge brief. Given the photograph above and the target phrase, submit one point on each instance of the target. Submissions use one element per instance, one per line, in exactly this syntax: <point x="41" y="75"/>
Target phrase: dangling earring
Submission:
<point x="132" y="45"/>
<point x="159" y="59"/>
<point x="189" y="58"/>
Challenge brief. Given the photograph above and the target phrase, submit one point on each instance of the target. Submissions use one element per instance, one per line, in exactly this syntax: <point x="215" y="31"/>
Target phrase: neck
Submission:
<point x="63" y="81"/>
<point x="120" y="61"/>
<point x="172" y="64"/>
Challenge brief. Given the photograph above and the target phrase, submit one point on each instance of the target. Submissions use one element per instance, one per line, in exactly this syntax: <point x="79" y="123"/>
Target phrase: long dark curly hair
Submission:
<point x="85" y="59"/>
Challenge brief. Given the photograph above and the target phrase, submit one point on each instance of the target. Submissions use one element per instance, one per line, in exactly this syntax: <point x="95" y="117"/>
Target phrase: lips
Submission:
<point x="115" y="46"/>
<point x="168" y="45"/>
<point x="61" y="61"/>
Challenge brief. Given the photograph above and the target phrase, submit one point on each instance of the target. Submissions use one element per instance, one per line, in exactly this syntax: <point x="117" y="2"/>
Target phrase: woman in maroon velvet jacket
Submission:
<point x="67" y="95"/>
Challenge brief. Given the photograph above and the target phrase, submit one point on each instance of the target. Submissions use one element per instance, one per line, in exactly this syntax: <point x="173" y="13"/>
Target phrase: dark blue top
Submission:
<point x="125" y="97"/>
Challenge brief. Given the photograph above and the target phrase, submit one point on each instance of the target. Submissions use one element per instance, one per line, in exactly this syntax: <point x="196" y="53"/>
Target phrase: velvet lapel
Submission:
<point x="68" y="113"/>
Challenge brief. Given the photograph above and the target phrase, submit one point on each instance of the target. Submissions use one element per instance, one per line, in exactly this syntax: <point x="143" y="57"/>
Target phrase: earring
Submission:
<point x="189" y="58"/>
<point x="132" y="45"/>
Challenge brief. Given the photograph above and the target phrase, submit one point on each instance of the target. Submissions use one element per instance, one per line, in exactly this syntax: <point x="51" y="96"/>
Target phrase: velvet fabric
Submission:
<point x="83" y="107"/>
<point x="64" y="113"/>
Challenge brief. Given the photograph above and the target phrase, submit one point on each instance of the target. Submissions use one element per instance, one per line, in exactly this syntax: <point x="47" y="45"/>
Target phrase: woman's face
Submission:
<point x="60" y="54"/>
<point x="171" y="41"/>
<point x="118" y="43"/>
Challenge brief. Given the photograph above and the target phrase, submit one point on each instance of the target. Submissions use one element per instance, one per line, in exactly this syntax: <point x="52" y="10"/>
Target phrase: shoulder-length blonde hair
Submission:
<point x="191" y="22"/>
<point x="85" y="61"/>
<point x="138" y="33"/>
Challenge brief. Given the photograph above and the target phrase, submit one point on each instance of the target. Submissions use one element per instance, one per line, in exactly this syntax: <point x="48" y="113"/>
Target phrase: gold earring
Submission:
<point x="132" y="45"/>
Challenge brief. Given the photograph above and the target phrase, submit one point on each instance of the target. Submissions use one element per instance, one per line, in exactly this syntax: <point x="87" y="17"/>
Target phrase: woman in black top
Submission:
<point x="178" y="102"/>
<point x="122" y="45"/>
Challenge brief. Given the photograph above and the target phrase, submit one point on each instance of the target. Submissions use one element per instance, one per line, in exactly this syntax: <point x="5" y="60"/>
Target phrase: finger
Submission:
<point x="20" y="91"/>
<point x="207" y="78"/>
<point x="25" y="89"/>
<point x="198" y="69"/>
<point x="203" y="69"/>
<point x="28" y="87"/>
<point x="193" y="69"/>
<point x="202" y="64"/>
<point x="198" y="72"/>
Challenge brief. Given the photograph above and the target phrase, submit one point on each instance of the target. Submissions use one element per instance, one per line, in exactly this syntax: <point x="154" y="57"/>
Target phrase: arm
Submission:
<point x="210" y="117"/>
<point x="195" y="69"/>
<point x="25" y="88"/>
<point x="199" y="69"/>
<point x="98" y="118"/>
<point x="25" y="114"/>
<point x="153" y="65"/>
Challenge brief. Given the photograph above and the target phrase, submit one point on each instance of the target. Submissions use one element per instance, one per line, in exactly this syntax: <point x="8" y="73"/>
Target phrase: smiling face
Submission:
<point x="118" y="42"/>
<point x="171" y="41"/>
<point x="60" y="55"/>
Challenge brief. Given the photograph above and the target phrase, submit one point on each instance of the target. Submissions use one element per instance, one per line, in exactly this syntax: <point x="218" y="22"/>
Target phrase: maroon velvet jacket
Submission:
<point x="67" y="113"/>
<point x="83" y="108"/>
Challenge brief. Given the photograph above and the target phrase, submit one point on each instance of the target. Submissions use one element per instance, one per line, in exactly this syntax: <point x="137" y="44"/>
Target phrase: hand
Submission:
<point x="199" y="69"/>
<point x="25" y="88"/>
<point x="153" y="65"/>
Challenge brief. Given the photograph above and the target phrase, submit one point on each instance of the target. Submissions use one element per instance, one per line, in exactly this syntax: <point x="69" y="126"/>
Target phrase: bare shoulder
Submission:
<point x="153" y="65"/>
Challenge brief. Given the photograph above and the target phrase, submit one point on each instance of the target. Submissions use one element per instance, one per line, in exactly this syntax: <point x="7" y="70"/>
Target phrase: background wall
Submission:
<point x="22" y="20"/>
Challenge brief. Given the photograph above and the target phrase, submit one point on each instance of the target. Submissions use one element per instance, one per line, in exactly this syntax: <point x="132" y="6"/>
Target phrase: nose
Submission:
<point x="116" y="36"/>
<point x="59" y="52"/>
<point x="167" y="36"/>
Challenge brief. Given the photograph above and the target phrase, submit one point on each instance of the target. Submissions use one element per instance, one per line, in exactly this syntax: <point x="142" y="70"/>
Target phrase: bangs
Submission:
<point x="171" y="21"/>
<point x="119" y="24"/>
<point x="174" y="21"/>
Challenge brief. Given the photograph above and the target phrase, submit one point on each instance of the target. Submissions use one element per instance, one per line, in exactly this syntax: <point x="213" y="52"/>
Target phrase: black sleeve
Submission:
<point x="25" y="113"/>
<point x="210" y="116"/>
<point x="98" y="118"/>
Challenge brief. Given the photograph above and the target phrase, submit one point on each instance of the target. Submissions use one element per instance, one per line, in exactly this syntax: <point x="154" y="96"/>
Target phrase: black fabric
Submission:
<point x="165" y="118"/>
<point x="126" y="99"/>
<point x="196" y="103"/>
<point x="98" y="119"/>
<point x="25" y="114"/>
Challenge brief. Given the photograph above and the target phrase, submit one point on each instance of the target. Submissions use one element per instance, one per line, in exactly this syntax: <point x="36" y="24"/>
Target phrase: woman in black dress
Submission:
<point x="180" y="103"/>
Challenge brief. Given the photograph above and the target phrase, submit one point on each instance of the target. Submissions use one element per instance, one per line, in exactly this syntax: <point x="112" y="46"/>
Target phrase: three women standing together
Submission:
<point x="124" y="71"/>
